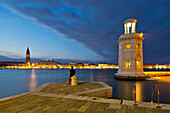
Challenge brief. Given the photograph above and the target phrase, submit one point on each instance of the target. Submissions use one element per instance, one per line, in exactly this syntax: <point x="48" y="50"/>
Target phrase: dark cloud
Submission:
<point x="97" y="24"/>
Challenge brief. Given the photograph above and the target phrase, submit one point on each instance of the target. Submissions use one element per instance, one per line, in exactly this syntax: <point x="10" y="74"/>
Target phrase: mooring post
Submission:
<point x="134" y="94"/>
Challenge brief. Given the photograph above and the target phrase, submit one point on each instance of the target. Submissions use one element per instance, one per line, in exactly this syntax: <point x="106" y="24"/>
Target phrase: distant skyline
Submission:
<point x="81" y="30"/>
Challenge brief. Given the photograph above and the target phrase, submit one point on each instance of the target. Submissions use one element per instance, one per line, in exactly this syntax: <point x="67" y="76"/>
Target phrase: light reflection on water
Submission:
<point x="165" y="78"/>
<point x="139" y="95"/>
<point x="91" y="76"/>
<point x="15" y="81"/>
<point x="33" y="81"/>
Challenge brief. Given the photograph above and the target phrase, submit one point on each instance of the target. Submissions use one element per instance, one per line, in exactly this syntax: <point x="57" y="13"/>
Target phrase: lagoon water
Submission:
<point x="16" y="81"/>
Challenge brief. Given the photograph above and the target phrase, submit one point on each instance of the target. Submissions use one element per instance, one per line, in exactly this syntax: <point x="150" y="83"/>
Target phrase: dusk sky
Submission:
<point x="85" y="30"/>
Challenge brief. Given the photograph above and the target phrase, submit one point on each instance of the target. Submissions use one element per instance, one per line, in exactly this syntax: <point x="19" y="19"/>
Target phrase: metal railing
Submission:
<point x="134" y="94"/>
<point x="158" y="95"/>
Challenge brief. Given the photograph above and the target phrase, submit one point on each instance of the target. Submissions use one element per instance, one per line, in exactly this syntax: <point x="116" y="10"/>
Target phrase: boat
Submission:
<point x="153" y="79"/>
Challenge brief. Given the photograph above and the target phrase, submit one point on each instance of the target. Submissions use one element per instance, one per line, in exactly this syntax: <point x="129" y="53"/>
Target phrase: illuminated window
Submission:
<point x="138" y="65"/>
<point x="133" y="27"/>
<point x="119" y="47"/>
<point x="137" y="45"/>
<point x="130" y="27"/>
<point x="127" y="64"/>
<point x="127" y="45"/>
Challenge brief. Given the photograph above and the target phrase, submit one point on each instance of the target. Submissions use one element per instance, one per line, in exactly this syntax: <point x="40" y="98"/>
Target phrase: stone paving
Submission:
<point x="39" y="104"/>
<point x="40" y="101"/>
<point x="63" y="88"/>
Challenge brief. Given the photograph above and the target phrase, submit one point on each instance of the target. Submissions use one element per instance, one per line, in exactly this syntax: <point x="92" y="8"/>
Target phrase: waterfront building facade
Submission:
<point x="130" y="52"/>
<point x="132" y="68"/>
<point x="9" y="65"/>
<point x="47" y="64"/>
<point x="86" y="65"/>
<point x="64" y="66"/>
<point x="102" y="65"/>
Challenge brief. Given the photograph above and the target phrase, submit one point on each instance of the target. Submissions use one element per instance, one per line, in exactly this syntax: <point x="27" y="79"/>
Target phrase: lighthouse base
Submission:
<point x="131" y="76"/>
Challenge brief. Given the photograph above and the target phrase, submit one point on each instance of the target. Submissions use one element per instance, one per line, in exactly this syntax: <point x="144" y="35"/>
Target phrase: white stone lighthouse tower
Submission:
<point x="130" y="52"/>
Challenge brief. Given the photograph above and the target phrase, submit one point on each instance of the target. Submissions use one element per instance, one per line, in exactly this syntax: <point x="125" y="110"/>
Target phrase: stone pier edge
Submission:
<point x="94" y="90"/>
<point x="94" y="99"/>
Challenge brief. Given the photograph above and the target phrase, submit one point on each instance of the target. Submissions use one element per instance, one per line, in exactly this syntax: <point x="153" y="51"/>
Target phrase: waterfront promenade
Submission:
<point x="60" y="98"/>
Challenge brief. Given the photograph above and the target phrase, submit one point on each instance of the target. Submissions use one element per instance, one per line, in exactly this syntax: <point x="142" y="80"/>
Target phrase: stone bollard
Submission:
<point x="74" y="80"/>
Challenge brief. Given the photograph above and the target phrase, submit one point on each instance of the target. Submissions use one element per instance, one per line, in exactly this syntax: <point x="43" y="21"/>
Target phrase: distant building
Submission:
<point x="72" y="64"/>
<point x="65" y="66"/>
<point x="86" y="64"/>
<point x="47" y="64"/>
<point x="10" y="63"/>
<point x="92" y="66"/>
<point x="28" y="57"/>
<point x="130" y="52"/>
<point x="107" y="66"/>
<point x="102" y="65"/>
<point x="112" y="66"/>
<point x="79" y="65"/>
<point x="75" y="65"/>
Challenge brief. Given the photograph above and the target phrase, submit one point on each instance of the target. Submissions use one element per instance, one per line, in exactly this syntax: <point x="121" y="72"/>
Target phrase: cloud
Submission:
<point x="97" y="24"/>
<point x="9" y="54"/>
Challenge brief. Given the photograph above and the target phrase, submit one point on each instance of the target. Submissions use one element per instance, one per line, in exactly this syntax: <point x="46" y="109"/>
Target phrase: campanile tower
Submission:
<point x="28" y="57"/>
<point x="130" y="52"/>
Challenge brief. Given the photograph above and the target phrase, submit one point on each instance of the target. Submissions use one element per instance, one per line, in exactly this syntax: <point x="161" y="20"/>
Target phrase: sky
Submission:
<point x="82" y="30"/>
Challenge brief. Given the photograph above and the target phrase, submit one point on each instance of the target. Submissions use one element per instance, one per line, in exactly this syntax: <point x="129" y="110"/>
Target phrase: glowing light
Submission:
<point x="160" y="67"/>
<point x="127" y="45"/>
<point x="28" y="63"/>
<point x="157" y="73"/>
<point x="156" y="66"/>
<point x="125" y="29"/>
<point x="133" y="27"/>
<point x="157" y="77"/>
<point x="129" y="24"/>
<point x="137" y="45"/>
<point x="138" y="65"/>
<point x="165" y="67"/>
<point x="141" y="34"/>
<point x="150" y="67"/>
<point x="127" y="64"/>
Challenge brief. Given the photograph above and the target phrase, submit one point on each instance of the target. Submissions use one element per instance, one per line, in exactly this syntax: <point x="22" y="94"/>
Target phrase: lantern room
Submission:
<point x="130" y="26"/>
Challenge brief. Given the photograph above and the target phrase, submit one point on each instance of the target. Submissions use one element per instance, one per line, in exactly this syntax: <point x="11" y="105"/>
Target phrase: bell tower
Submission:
<point x="27" y="57"/>
<point x="130" y="52"/>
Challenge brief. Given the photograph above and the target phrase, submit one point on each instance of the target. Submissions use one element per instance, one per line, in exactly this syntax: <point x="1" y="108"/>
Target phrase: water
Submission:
<point x="16" y="81"/>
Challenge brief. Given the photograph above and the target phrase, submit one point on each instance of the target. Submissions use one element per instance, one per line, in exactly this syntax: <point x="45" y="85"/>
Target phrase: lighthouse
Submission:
<point x="27" y="57"/>
<point x="130" y="52"/>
